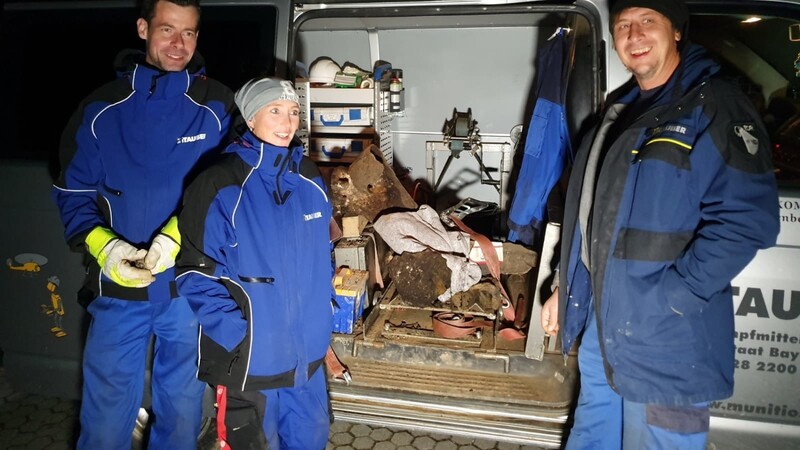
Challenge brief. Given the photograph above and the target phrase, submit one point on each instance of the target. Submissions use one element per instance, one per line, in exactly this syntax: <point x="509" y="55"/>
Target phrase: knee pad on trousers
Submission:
<point x="244" y="418"/>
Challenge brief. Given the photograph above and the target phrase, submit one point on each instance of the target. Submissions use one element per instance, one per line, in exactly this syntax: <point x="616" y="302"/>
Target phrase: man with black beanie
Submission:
<point x="675" y="11"/>
<point x="670" y="197"/>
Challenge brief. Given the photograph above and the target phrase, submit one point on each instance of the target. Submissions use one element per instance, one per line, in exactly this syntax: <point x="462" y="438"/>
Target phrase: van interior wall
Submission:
<point x="489" y="70"/>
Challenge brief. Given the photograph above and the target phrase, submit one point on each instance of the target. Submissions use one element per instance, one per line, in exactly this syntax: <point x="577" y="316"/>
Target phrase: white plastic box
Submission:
<point x="348" y="116"/>
<point x="343" y="149"/>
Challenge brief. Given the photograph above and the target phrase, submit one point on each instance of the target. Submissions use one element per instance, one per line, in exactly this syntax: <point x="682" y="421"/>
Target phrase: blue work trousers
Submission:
<point x="293" y="418"/>
<point x="114" y="363"/>
<point x="606" y="421"/>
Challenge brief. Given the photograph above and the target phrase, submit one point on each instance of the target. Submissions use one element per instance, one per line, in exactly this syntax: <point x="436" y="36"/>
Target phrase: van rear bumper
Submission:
<point x="506" y="397"/>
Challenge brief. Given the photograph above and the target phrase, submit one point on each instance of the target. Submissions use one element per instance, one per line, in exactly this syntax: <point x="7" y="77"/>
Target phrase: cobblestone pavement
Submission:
<point x="347" y="436"/>
<point x="33" y="422"/>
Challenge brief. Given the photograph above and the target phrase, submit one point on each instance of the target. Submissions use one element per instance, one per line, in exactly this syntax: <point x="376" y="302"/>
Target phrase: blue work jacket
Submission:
<point x="684" y="198"/>
<point x="127" y="154"/>
<point x="255" y="266"/>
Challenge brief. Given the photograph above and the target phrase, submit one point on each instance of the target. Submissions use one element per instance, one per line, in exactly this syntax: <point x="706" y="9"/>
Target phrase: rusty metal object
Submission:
<point x="483" y="296"/>
<point x="518" y="259"/>
<point x="420" y="277"/>
<point x="367" y="187"/>
<point x="519" y="277"/>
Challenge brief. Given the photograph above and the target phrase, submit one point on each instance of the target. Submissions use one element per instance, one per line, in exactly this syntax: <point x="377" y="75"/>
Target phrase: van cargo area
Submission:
<point x="468" y="77"/>
<point x="424" y="107"/>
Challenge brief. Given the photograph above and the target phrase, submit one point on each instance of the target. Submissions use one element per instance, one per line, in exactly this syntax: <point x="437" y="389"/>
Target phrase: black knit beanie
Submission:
<point x="674" y="10"/>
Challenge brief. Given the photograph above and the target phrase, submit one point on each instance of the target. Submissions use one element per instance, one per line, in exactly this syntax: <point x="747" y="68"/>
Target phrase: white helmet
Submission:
<point x="323" y="70"/>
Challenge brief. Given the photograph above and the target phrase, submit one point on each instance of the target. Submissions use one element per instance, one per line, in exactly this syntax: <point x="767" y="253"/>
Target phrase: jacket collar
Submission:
<point x="695" y="67"/>
<point x="266" y="157"/>
<point x="273" y="164"/>
<point x="143" y="77"/>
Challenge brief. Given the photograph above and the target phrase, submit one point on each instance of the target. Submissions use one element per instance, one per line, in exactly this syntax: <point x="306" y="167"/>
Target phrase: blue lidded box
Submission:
<point x="351" y="298"/>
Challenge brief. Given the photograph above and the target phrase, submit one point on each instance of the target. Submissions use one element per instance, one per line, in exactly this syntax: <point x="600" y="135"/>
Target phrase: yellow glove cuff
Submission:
<point x="171" y="230"/>
<point x="96" y="241"/>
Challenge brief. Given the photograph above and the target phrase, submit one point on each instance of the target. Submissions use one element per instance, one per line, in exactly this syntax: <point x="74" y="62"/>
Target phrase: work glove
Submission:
<point x="164" y="249"/>
<point x="118" y="258"/>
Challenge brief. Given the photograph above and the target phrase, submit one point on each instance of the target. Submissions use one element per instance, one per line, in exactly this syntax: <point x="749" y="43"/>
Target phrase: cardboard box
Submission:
<point x="337" y="149"/>
<point x="341" y="116"/>
<point x="352" y="226"/>
<point x="351" y="297"/>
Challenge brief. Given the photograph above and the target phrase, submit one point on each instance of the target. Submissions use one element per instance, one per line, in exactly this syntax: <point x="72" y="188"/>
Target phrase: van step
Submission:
<point x="481" y="419"/>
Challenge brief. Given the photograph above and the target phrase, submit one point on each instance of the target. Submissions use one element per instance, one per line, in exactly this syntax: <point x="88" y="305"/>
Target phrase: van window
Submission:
<point x="53" y="58"/>
<point x="759" y="52"/>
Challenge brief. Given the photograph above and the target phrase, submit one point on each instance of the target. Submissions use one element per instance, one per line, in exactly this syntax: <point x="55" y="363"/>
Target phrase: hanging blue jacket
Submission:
<point x="128" y="152"/>
<point x="255" y="266"/>
<point x="547" y="146"/>
<point x="684" y="198"/>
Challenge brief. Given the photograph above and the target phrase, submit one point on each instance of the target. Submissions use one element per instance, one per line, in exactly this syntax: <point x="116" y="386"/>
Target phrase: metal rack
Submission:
<point x="462" y="136"/>
<point x="358" y="117"/>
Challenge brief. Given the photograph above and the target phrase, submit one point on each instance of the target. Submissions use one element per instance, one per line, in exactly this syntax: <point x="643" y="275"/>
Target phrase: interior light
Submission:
<point x="752" y="19"/>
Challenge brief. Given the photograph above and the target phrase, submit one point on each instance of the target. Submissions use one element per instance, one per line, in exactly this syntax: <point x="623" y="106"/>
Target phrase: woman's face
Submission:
<point x="276" y="122"/>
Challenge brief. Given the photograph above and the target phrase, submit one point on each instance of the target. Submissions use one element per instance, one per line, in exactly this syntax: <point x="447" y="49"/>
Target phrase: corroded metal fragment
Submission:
<point x="420" y="277"/>
<point x="367" y="187"/>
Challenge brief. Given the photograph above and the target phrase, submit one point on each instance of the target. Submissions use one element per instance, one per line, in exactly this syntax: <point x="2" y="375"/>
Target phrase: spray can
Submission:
<point x="395" y="95"/>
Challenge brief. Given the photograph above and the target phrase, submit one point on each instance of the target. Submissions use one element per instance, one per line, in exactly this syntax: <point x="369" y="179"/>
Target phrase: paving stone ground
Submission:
<point x="349" y="436"/>
<point x="37" y="422"/>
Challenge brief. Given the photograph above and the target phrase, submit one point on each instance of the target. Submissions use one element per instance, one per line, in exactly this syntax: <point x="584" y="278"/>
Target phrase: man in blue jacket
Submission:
<point x="256" y="267"/>
<point x="670" y="198"/>
<point x="126" y="155"/>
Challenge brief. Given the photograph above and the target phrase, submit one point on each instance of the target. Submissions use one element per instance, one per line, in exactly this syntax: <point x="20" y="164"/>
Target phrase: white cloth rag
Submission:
<point x="415" y="231"/>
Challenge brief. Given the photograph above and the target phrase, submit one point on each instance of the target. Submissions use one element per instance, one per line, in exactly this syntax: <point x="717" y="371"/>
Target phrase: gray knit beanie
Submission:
<point x="259" y="92"/>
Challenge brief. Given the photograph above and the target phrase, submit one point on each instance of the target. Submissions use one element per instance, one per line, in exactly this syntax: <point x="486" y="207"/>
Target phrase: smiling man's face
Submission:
<point x="171" y="35"/>
<point x="646" y="43"/>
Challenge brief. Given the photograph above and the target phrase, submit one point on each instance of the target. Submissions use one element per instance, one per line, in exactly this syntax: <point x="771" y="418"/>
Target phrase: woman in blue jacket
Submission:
<point x="255" y="266"/>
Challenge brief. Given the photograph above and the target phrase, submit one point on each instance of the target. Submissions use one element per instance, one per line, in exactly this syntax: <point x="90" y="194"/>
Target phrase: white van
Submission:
<point x="454" y="128"/>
